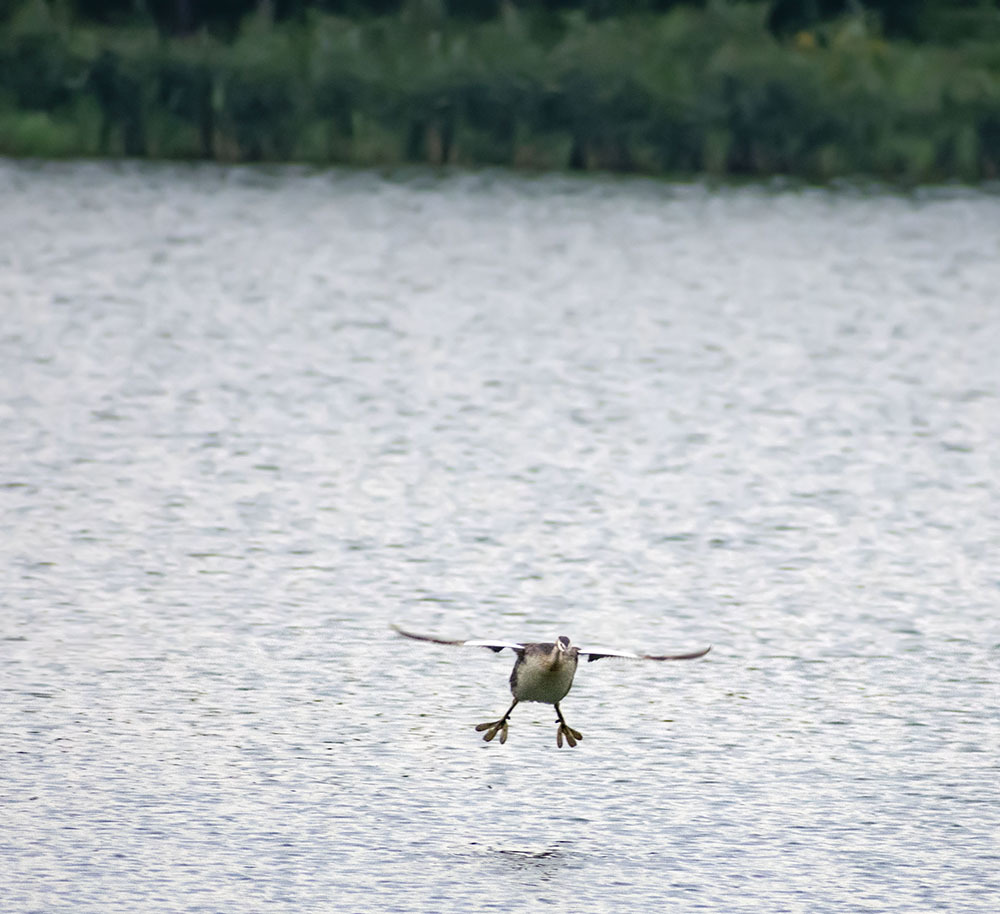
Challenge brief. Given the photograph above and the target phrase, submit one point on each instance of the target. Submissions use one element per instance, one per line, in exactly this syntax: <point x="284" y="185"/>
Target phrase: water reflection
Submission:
<point x="249" y="418"/>
<point x="544" y="863"/>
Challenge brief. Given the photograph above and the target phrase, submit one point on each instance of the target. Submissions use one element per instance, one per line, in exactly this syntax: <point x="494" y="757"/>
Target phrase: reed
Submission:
<point x="689" y="91"/>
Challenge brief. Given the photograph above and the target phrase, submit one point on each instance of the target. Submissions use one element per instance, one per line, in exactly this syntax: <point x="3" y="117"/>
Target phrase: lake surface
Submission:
<point x="249" y="418"/>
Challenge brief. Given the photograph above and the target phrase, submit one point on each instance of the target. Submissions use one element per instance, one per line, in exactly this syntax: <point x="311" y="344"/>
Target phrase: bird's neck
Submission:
<point x="555" y="658"/>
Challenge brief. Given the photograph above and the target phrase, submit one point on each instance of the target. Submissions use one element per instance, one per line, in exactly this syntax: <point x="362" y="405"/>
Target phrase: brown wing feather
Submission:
<point x="495" y="646"/>
<point x="417" y="637"/>
<point x="627" y="655"/>
<point x="694" y="655"/>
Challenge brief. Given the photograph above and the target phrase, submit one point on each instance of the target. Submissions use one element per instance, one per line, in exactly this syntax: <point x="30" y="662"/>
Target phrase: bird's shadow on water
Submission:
<point x="539" y="862"/>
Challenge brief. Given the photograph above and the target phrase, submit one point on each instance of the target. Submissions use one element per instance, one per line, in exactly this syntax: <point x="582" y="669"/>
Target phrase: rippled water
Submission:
<point x="249" y="418"/>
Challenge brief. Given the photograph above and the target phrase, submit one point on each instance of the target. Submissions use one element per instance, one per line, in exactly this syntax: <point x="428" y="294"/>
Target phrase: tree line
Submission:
<point x="911" y="19"/>
<point x="736" y="89"/>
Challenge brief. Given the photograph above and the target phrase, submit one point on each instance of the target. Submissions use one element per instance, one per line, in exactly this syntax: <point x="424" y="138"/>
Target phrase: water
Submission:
<point x="249" y="418"/>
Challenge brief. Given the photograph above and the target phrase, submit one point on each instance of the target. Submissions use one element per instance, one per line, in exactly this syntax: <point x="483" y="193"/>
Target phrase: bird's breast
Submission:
<point x="534" y="680"/>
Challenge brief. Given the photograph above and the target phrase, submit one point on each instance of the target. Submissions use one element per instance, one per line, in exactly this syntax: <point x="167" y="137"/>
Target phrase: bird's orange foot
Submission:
<point x="492" y="728"/>
<point x="572" y="736"/>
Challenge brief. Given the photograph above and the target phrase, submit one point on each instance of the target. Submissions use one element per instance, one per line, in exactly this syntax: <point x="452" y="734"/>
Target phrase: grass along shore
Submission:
<point x="688" y="92"/>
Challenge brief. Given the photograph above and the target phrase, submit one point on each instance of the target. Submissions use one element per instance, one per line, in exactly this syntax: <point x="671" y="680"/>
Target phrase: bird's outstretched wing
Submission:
<point x="593" y="654"/>
<point x="495" y="646"/>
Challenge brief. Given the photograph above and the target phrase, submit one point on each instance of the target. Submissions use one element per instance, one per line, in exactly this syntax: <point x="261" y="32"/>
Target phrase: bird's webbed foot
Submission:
<point x="492" y="728"/>
<point x="572" y="736"/>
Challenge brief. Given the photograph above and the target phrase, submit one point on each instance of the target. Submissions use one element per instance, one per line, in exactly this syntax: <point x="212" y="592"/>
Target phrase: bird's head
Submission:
<point x="560" y="652"/>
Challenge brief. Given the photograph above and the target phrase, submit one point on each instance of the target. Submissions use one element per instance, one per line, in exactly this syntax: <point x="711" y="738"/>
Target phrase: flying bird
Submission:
<point x="544" y="672"/>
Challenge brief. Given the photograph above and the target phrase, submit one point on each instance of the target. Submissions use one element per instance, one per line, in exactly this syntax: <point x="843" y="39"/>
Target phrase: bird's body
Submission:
<point x="544" y="672"/>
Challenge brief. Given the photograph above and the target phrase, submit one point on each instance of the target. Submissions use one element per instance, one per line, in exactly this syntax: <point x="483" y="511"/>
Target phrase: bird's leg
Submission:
<point x="493" y="727"/>
<point x="572" y="736"/>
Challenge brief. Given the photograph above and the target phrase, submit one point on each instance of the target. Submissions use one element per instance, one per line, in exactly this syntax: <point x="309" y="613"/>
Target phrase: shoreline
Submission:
<point x="684" y="95"/>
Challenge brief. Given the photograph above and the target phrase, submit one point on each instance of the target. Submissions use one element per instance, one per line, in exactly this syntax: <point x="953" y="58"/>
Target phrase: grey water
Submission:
<point x="249" y="418"/>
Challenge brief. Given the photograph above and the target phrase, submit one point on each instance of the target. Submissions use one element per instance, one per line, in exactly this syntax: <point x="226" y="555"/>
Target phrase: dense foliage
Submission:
<point x="726" y="88"/>
<point x="917" y="19"/>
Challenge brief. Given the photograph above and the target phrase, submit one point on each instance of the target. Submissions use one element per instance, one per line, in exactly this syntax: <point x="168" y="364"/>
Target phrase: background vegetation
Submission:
<point x="816" y="88"/>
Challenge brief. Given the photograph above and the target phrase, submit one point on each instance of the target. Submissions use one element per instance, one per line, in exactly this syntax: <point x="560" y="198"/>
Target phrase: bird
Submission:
<point x="543" y="672"/>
